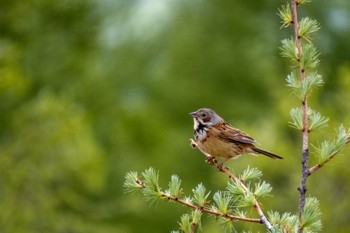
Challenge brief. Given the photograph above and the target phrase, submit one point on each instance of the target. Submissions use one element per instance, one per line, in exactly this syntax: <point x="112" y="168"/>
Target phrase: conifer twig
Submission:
<point x="212" y="161"/>
<point x="257" y="206"/>
<point x="315" y="168"/>
<point x="319" y="165"/>
<point x="193" y="227"/>
<point x="305" y="147"/>
<point x="203" y="209"/>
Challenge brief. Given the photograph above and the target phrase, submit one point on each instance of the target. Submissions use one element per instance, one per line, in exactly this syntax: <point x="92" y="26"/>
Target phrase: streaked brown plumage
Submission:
<point x="216" y="138"/>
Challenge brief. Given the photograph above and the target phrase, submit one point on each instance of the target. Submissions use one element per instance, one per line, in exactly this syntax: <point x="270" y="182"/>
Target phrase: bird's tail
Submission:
<point x="267" y="153"/>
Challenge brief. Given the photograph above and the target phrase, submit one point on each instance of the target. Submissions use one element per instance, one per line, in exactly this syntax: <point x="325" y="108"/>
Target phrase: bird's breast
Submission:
<point x="209" y="142"/>
<point x="200" y="132"/>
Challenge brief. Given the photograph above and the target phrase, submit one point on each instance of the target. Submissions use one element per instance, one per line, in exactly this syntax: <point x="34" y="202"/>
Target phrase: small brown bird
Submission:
<point x="215" y="137"/>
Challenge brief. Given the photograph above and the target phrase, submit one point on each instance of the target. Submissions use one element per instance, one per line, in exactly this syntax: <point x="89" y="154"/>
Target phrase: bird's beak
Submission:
<point x="193" y="114"/>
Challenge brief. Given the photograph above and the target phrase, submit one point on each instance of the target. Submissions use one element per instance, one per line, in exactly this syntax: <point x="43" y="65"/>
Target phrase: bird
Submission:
<point x="214" y="137"/>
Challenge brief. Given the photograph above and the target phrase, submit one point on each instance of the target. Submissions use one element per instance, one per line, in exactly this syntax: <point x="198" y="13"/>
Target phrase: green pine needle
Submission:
<point x="289" y="50"/>
<point x="188" y="200"/>
<point x="307" y="27"/>
<point x="247" y="200"/>
<point x="285" y="223"/>
<point x="302" y="88"/>
<point x="152" y="191"/>
<point x="286" y="16"/>
<point x="132" y="182"/>
<point x="293" y="81"/>
<point x="310" y="56"/>
<point x="175" y="186"/>
<point x="240" y="197"/>
<point x="316" y="120"/>
<point x="311" y="80"/>
<point x="240" y="213"/>
<point x="185" y="223"/>
<point x="301" y="2"/>
<point x="196" y="216"/>
<point x="311" y="217"/>
<point x="297" y="118"/>
<point x="222" y="201"/>
<point x="151" y="178"/>
<point x="262" y="189"/>
<point x="250" y="174"/>
<point x="331" y="148"/>
<point x="235" y="189"/>
<point x="227" y="224"/>
<point x="200" y="196"/>
<point x="152" y="196"/>
<point x="295" y="84"/>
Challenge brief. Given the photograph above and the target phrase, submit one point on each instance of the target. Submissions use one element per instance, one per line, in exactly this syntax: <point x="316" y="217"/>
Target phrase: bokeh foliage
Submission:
<point x="92" y="89"/>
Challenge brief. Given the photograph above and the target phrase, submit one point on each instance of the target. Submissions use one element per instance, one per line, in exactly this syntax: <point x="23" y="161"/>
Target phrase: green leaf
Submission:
<point x="200" y="197"/>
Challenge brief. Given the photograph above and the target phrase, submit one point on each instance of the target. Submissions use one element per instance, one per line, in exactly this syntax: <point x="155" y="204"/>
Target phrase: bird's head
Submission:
<point x="206" y="117"/>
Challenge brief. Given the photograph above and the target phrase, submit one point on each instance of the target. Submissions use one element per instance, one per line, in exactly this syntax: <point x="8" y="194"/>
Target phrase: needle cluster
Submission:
<point x="227" y="206"/>
<point x="304" y="77"/>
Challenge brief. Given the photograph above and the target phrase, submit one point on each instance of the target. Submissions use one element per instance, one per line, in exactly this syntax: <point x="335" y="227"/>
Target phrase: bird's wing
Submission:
<point x="231" y="134"/>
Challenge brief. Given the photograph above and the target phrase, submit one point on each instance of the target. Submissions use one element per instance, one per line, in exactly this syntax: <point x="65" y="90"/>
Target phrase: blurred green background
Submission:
<point x="90" y="90"/>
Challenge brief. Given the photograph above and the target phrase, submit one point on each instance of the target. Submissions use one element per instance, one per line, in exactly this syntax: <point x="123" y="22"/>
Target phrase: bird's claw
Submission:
<point x="211" y="160"/>
<point x="221" y="167"/>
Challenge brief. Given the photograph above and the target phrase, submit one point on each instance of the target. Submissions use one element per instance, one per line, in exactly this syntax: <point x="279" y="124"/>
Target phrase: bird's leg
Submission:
<point x="221" y="165"/>
<point x="211" y="159"/>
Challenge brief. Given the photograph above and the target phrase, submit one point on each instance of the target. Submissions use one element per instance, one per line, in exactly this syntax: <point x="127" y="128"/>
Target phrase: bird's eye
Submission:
<point x="203" y="115"/>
